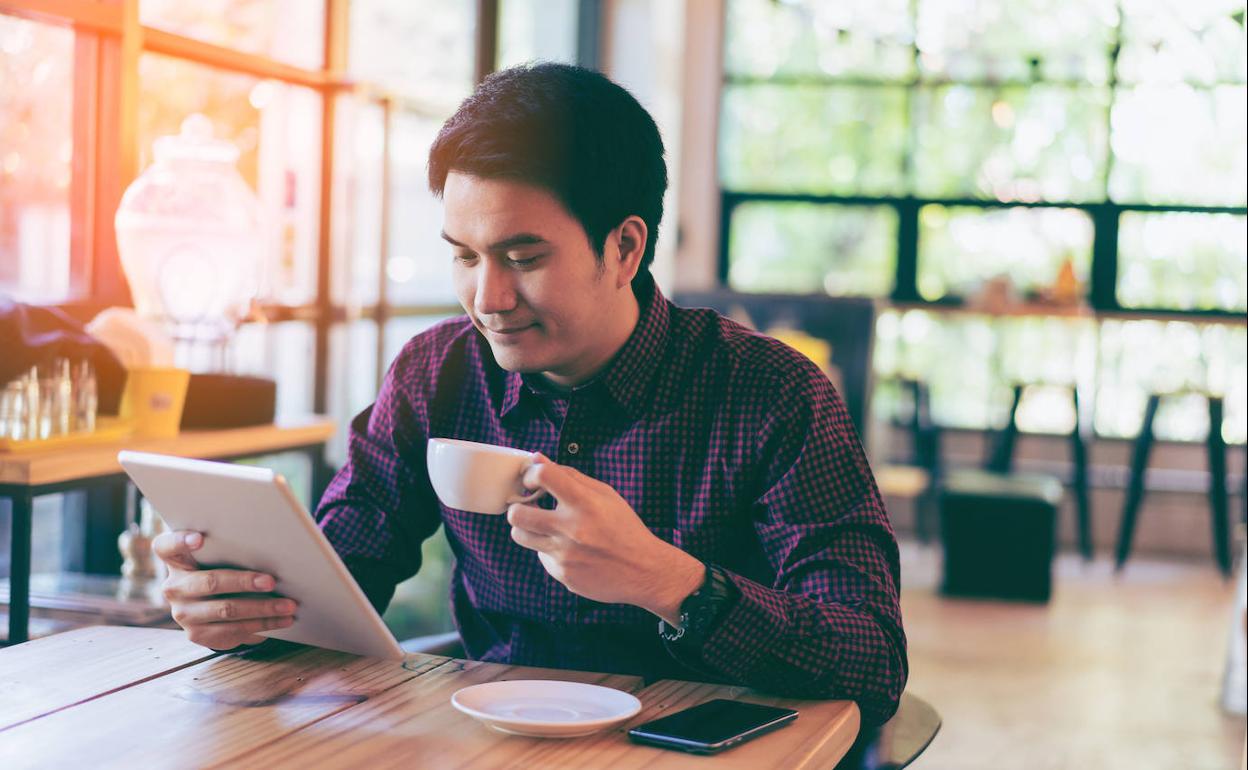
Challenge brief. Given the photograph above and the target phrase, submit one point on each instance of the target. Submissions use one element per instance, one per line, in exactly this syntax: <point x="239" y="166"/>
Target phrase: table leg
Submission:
<point x="19" y="568"/>
<point x="106" y="518"/>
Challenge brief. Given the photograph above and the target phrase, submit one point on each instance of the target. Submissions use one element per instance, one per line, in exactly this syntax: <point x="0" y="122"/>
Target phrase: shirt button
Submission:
<point x="573" y="448"/>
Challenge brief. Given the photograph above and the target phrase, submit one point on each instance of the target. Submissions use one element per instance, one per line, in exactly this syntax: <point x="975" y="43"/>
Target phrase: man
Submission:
<point x="709" y="512"/>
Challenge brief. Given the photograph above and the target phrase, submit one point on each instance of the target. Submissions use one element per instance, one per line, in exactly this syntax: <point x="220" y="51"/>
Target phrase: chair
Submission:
<point x="897" y="742"/>
<point x="1218" y="505"/>
<point x="1001" y="460"/>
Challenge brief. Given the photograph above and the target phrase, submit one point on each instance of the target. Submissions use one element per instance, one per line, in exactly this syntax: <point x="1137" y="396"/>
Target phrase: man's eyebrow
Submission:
<point x="510" y="242"/>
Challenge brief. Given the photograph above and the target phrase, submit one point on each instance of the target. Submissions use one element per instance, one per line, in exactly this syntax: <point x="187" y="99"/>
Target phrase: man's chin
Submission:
<point x="513" y="360"/>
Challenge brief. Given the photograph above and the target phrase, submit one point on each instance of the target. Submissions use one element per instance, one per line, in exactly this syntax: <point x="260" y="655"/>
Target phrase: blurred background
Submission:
<point x="1013" y="233"/>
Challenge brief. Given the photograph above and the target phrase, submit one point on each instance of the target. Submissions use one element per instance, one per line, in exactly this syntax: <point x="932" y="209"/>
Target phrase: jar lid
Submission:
<point x="195" y="142"/>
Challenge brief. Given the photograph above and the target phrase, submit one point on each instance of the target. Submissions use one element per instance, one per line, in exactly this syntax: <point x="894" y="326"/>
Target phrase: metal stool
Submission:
<point x="1216" y="449"/>
<point x="1001" y="460"/>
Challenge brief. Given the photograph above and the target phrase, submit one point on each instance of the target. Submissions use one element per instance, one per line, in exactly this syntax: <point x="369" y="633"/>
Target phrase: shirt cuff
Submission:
<point x="746" y="632"/>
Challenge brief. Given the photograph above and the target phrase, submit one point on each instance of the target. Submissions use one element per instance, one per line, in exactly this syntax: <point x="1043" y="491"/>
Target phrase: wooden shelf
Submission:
<point x="34" y="467"/>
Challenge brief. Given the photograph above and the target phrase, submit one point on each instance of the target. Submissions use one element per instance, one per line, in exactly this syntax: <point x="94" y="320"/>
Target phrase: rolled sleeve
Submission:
<point x="828" y="625"/>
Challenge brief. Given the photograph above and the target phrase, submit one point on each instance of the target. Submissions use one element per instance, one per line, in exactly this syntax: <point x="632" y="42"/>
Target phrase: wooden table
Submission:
<point x="29" y="473"/>
<point x="137" y="697"/>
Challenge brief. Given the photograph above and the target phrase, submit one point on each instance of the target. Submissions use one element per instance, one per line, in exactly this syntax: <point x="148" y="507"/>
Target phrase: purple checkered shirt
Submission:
<point x="725" y="442"/>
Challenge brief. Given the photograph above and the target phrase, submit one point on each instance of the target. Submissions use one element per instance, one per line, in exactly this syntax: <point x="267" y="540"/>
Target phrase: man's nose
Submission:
<point x="496" y="292"/>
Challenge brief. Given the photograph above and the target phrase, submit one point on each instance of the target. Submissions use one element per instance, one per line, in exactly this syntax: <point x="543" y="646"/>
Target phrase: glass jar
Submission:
<point x="190" y="239"/>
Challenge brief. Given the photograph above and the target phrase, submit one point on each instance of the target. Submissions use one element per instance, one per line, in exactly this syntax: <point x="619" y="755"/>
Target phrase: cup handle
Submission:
<point x="531" y="497"/>
<point x="526" y="499"/>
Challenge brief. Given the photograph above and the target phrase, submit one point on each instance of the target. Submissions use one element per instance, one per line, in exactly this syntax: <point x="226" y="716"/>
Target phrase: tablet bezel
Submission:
<point x="362" y="630"/>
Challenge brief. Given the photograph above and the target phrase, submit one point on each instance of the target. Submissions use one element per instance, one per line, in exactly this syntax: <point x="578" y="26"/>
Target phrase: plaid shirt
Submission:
<point x="725" y="442"/>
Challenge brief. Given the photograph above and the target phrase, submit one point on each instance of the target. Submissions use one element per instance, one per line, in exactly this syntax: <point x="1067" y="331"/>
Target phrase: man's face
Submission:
<point x="528" y="278"/>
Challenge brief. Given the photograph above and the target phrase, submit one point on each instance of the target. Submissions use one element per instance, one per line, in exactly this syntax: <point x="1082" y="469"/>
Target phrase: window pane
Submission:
<point x="1019" y="40"/>
<point x="812" y="37"/>
<point x="1198" y="41"/>
<point x="284" y="352"/>
<point x="1029" y="144"/>
<point x="960" y="248"/>
<point x="1043" y="350"/>
<point x="292" y="31"/>
<point x="952" y="353"/>
<point x="419" y="268"/>
<point x="352" y="382"/>
<point x="277" y="129"/>
<point x="804" y="247"/>
<point x="423" y="50"/>
<point x="1176" y="144"/>
<point x="536" y="30"/>
<point x="840" y="140"/>
<point x="36" y="149"/>
<point x="1183" y="261"/>
<point x="360" y="136"/>
<point x="400" y="330"/>
<point x="1143" y="357"/>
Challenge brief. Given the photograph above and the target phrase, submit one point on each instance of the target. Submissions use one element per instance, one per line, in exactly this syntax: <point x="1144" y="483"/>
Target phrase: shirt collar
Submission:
<point x="630" y="373"/>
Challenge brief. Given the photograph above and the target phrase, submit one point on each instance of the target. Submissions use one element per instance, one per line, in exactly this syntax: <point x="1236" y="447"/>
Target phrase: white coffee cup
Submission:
<point x="481" y="478"/>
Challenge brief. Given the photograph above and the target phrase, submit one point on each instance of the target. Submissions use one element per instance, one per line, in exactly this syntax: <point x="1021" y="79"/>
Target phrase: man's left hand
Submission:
<point x="596" y="545"/>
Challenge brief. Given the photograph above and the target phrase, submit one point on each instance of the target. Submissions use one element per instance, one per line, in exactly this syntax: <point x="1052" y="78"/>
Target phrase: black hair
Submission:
<point x="567" y="130"/>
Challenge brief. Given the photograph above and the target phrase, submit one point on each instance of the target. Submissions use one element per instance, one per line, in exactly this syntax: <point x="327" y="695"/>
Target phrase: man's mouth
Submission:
<point x="508" y="331"/>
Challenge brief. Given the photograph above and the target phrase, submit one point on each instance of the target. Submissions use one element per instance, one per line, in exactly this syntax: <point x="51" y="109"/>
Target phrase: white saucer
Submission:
<point x="546" y="708"/>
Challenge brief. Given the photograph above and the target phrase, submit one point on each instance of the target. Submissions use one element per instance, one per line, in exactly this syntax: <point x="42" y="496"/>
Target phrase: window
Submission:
<point x="36" y="161"/>
<point x="917" y="149"/>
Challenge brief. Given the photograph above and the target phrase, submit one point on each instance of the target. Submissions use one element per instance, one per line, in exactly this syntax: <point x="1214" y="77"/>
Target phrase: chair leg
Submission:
<point x="1079" y="454"/>
<point x="1217" y="488"/>
<point x="1135" y="487"/>
<point x="926" y="443"/>
<point x="1002" y="458"/>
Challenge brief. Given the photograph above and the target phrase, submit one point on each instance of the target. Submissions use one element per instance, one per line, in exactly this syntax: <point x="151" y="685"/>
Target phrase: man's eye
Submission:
<point x="465" y="257"/>
<point x="523" y="262"/>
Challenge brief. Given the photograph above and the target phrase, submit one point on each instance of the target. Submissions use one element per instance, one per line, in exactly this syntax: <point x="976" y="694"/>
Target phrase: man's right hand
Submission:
<point x="212" y="604"/>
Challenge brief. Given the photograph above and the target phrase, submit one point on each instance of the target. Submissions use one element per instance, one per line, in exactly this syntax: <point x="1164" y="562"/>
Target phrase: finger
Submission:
<point x="231" y="610"/>
<point x="225" y="636"/>
<point x="532" y="540"/>
<point x="538" y="520"/>
<point x="175" y="548"/>
<point x="560" y="481"/>
<point x="212" y="582"/>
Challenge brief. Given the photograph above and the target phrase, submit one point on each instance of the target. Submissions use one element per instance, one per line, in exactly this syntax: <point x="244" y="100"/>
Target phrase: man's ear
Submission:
<point x="631" y="238"/>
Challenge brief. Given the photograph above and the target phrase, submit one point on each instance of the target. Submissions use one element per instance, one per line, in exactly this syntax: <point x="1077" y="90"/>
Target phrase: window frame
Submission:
<point x="109" y="41"/>
<point x="1101" y="291"/>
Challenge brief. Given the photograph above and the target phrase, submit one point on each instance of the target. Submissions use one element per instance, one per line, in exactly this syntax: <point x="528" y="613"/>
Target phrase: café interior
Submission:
<point x="1012" y="234"/>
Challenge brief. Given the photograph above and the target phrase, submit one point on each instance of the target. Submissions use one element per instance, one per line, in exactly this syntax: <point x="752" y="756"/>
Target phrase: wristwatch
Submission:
<point x="701" y="609"/>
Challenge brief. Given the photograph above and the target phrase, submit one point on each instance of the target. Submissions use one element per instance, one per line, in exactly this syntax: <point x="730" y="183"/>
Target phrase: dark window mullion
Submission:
<point x="1103" y="288"/>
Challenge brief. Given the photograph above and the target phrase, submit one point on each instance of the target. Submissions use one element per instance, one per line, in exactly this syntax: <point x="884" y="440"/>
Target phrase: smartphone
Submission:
<point x="713" y="726"/>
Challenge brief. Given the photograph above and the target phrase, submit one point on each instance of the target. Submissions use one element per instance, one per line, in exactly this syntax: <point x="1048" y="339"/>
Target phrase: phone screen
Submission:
<point x="712" y="722"/>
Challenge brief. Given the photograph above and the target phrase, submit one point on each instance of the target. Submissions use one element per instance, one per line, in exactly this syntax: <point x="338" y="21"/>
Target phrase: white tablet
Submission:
<point x="251" y="520"/>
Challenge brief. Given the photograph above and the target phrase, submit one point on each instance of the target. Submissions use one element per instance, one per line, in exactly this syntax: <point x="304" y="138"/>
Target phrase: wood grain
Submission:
<point x="38" y="678"/>
<point x="415" y="725"/>
<point x="52" y="466"/>
<point x="818" y="738"/>
<point x="113" y="702"/>
<point x="218" y="711"/>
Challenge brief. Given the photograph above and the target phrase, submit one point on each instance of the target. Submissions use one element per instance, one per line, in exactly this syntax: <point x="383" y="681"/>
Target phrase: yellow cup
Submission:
<point x="153" y="399"/>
